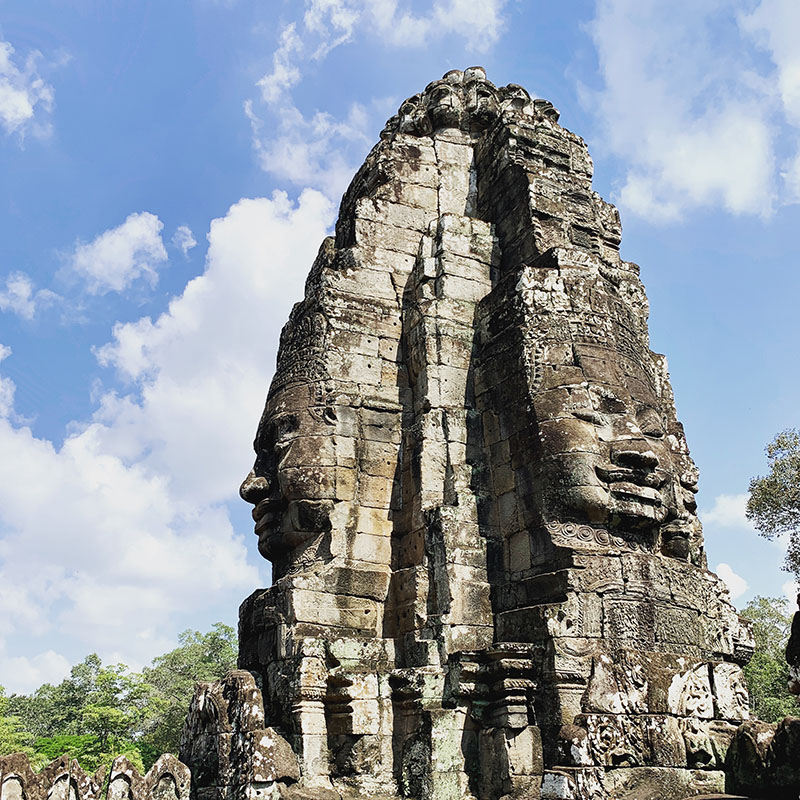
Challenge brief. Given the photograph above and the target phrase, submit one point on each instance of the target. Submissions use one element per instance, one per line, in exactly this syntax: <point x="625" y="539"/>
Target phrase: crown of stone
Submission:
<point x="466" y="100"/>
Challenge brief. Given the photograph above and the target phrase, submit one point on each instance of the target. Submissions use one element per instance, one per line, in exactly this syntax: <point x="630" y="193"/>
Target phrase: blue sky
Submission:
<point x="168" y="172"/>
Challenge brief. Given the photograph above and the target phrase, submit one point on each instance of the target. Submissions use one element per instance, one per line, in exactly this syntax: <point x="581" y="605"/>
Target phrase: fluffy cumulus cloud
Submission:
<point x="688" y="105"/>
<point x="318" y="149"/>
<point x="135" y="525"/>
<point x="736" y="584"/>
<point x="31" y="673"/>
<point x="121" y="255"/>
<point x="25" y="97"/>
<point x="728" y="511"/>
<point x="774" y="25"/>
<point x="20" y="296"/>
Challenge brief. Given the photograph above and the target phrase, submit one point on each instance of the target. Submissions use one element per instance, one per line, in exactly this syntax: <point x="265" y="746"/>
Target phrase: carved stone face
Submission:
<point x="606" y="452"/>
<point x="293" y="481"/>
<point x="481" y="99"/>
<point x="409" y="117"/>
<point x="515" y="98"/>
<point x="445" y="105"/>
<point x="607" y="449"/>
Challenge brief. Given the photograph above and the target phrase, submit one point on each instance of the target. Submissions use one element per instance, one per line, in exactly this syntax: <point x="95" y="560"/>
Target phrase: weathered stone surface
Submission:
<point x="489" y="575"/>
<point x="63" y="779"/>
<point x="227" y="746"/>
<point x="764" y="759"/>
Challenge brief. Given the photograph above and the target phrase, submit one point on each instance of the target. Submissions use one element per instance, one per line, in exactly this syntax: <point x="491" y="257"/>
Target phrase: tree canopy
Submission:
<point x="774" y="503"/>
<point x="101" y="711"/>
<point x="767" y="674"/>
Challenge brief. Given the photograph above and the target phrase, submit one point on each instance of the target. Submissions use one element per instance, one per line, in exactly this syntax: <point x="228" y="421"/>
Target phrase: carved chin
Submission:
<point x="591" y="503"/>
<point x="641" y="510"/>
<point x="444" y="116"/>
<point x="301" y="521"/>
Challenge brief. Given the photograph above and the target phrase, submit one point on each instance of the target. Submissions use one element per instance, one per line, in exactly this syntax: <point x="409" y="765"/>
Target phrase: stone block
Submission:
<point x="731" y="699"/>
<point x="271" y="757"/>
<point x="371" y="548"/>
<point x="329" y="610"/>
<point x="662" y="783"/>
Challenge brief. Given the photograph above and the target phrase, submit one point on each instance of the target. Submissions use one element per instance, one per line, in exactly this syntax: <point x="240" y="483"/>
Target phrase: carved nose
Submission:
<point x="634" y="454"/>
<point x="254" y="488"/>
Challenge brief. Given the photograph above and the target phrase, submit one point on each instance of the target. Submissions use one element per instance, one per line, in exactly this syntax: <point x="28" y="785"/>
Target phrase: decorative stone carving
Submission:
<point x="489" y="577"/>
<point x="63" y="779"/>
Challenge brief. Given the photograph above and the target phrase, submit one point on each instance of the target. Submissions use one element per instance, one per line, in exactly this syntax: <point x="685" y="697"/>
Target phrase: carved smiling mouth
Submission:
<point x="633" y="485"/>
<point x="266" y="513"/>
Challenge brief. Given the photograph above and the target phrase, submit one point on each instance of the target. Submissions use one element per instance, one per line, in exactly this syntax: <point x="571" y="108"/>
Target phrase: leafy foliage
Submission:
<point x="774" y="503"/>
<point x="767" y="673"/>
<point x="13" y="737"/>
<point x="100" y="712"/>
<point x="200" y="657"/>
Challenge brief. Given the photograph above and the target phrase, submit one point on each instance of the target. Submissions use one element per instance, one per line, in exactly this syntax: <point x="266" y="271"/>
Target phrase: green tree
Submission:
<point x="767" y="673"/>
<point x="199" y="657"/>
<point x="94" y="715"/>
<point x="99" y="712"/>
<point x="774" y="503"/>
<point x="87" y="750"/>
<point x="13" y="736"/>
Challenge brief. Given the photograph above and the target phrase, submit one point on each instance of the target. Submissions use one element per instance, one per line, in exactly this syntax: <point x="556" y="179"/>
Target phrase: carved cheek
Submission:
<point x="568" y="435"/>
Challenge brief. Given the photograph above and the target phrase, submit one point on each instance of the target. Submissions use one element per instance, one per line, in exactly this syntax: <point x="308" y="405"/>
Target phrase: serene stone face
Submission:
<point x="516" y="98"/>
<point x="445" y="104"/>
<point x="607" y="449"/>
<point x="604" y="445"/>
<point x="293" y="481"/>
<point x="481" y="101"/>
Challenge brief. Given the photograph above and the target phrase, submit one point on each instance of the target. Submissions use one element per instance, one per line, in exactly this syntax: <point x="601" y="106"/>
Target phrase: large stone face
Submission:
<point x="489" y="575"/>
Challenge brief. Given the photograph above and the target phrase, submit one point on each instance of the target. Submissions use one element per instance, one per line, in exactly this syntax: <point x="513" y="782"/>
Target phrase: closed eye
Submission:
<point x="589" y="415"/>
<point x="651" y="425"/>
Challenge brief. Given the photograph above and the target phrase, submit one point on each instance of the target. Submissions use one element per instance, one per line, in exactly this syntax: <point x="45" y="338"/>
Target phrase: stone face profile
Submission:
<point x="489" y="578"/>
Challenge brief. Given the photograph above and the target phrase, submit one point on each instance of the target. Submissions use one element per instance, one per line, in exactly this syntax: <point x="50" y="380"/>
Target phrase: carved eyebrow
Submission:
<point x="650" y="422"/>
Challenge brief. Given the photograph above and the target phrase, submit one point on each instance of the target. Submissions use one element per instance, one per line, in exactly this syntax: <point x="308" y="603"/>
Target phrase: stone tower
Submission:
<point x="489" y="576"/>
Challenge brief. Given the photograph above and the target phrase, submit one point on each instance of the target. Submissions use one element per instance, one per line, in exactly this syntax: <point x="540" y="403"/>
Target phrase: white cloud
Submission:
<point x="320" y="152"/>
<point x="184" y="240"/>
<point x="736" y="584"/>
<point x="7" y="387"/>
<point x="24" y="95"/>
<point x="317" y="149"/>
<point x="728" y="511"/>
<point x="28" y="674"/>
<point x="684" y="107"/>
<point x="478" y="22"/>
<point x="20" y="298"/>
<point x="202" y="367"/>
<point x="774" y="25"/>
<point x="790" y="590"/>
<point x="121" y="255"/>
<point x="140" y="490"/>
<point x="285" y="73"/>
